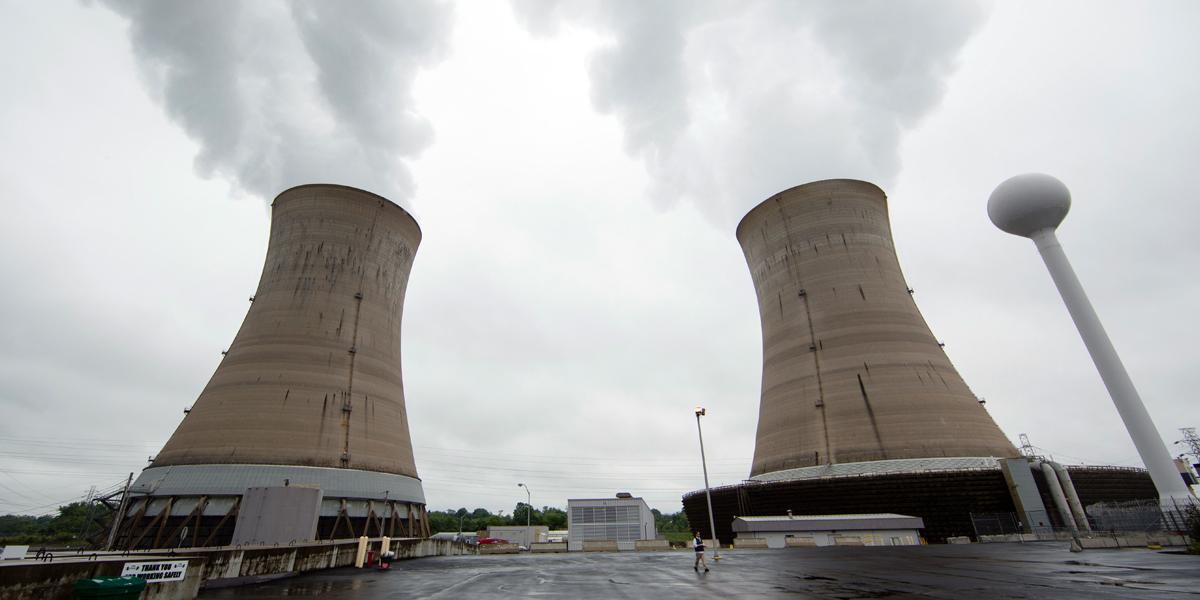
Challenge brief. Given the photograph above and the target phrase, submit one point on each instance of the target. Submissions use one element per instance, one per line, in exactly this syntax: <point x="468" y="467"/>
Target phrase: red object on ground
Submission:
<point x="488" y="540"/>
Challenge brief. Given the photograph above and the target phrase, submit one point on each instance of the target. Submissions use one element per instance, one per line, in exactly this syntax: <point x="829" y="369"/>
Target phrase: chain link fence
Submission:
<point x="1139" y="516"/>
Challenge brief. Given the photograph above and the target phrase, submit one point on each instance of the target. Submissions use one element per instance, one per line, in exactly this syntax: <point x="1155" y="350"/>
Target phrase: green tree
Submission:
<point x="554" y="518"/>
<point x="480" y="518"/>
<point x="522" y="509"/>
<point x="674" y="522"/>
<point x="66" y="527"/>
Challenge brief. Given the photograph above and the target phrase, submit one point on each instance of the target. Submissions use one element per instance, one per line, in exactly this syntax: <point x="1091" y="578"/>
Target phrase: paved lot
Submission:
<point x="976" y="571"/>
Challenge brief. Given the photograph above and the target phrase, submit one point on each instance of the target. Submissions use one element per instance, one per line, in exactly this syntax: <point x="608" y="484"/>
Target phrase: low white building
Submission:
<point x="519" y="534"/>
<point x="883" y="529"/>
<point x="623" y="520"/>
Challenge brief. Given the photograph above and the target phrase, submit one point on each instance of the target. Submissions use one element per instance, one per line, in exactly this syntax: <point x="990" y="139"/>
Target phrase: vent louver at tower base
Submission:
<point x="310" y="391"/>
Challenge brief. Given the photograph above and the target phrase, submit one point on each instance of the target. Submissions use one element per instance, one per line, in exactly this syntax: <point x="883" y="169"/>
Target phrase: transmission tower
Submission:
<point x="1027" y="448"/>
<point x="1192" y="441"/>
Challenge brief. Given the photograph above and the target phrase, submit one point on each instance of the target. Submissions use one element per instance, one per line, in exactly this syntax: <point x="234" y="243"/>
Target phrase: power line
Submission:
<point x="62" y="473"/>
<point x="590" y="474"/>
<point x="55" y="504"/>
<point x="15" y="491"/>
<point x="559" y="459"/>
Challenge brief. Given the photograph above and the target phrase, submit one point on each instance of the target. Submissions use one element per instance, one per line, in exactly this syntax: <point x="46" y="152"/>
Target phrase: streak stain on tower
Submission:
<point x="310" y="391"/>
<point x="851" y="372"/>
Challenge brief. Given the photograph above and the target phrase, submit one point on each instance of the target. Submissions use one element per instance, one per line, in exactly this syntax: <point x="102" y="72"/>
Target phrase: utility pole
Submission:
<point x="528" y="511"/>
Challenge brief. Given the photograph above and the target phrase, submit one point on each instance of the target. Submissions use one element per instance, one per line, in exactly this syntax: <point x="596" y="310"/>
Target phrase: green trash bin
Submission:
<point x="110" y="588"/>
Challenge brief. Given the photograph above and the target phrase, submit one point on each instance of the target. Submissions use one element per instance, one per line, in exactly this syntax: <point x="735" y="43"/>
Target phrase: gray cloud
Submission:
<point x="277" y="95"/>
<point x="728" y="106"/>
<point x="558" y="329"/>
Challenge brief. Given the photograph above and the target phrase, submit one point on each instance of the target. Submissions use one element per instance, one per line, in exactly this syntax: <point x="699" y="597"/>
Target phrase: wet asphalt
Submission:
<point x="975" y="571"/>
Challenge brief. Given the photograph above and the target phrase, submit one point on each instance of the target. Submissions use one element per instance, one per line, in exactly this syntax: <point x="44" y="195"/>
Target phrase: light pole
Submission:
<point x="700" y="412"/>
<point x="1033" y="205"/>
<point x="528" y="508"/>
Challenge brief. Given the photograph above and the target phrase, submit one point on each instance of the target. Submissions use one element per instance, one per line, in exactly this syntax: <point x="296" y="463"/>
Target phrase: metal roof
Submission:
<point x="605" y="499"/>
<point x="232" y="480"/>
<point x="879" y="467"/>
<point x="828" y="517"/>
<point x="827" y="522"/>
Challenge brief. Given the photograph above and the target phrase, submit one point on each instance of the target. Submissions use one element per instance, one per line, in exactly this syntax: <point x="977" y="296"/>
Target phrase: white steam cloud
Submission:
<point x="278" y="94"/>
<point x="728" y="103"/>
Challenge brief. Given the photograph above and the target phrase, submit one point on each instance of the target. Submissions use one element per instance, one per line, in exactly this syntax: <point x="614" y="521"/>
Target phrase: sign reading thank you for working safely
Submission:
<point x="156" y="572"/>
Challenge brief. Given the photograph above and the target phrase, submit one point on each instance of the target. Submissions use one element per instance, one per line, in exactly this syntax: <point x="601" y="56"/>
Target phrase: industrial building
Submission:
<point x="830" y="530"/>
<point x="308" y="395"/>
<point x="519" y="534"/>
<point x="624" y="520"/>
<point x="861" y="410"/>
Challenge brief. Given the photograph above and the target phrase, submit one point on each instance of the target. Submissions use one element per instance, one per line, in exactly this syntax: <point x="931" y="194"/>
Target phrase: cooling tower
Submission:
<point x="861" y="410"/>
<point x="851" y="372"/>
<point x="310" y="392"/>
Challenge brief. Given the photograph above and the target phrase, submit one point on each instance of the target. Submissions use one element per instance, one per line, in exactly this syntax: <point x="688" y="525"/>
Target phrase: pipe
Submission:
<point x="1056" y="492"/>
<point x="1064" y="478"/>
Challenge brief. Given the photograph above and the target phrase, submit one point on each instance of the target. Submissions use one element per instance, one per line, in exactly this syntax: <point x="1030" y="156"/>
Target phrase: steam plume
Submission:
<point x="278" y="94"/>
<point x="727" y="104"/>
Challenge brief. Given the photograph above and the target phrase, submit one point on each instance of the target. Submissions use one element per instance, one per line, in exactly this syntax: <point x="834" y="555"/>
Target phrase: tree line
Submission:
<point x="552" y="517"/>
<point x="69" y="525"/>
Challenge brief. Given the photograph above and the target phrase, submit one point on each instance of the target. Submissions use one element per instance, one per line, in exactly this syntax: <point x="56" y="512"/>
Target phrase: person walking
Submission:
<point x="698" y="546"/>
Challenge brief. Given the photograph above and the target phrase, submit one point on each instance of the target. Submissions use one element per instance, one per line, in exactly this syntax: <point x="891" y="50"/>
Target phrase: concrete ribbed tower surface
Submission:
<point x="851" y="371"/>
<point x="310" y="391"/>
<point x="313" y="375"/>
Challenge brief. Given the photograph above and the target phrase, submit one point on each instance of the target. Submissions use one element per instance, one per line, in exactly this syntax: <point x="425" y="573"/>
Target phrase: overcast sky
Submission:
<point x="577" y="169"/>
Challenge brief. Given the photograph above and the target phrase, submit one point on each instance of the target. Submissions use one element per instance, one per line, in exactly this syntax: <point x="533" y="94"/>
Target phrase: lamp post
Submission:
<point x="1033" y="205"/>
<point x="700" y="412"/>
<point x="528" y="509"/>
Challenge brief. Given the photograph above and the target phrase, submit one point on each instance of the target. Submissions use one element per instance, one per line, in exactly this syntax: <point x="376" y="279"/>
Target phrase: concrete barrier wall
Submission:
<point x="207" y="567"/>
<point x="549" y="547"/>
<point x="234" y="565"/>
<point x="36" y="580"/>
<point x="499" y="549"/>
<point x="652" y="545"/>
<point x="799" y="542"/>
<point x="750" y="543"/>
<point x="600" y="546"/>
<point x="1061" y="536"/>
<point x="1128" y="540"/>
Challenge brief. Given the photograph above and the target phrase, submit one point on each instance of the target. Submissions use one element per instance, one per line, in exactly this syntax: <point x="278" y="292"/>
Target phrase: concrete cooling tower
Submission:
<point x="309" y="395"/>
<point x="861" y="411"/>
<point x="851" y="372"/>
